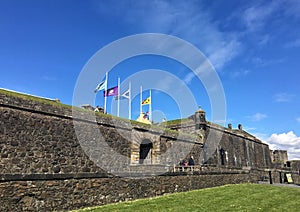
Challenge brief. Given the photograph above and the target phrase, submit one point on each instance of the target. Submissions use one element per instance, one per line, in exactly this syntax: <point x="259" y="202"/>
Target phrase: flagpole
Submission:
<point x="150" y="108"/>
<point x="129" y="102"/>
<point x="141" y="100"/>
<point x="118" y="112"/>
<point x="105" y="90"/>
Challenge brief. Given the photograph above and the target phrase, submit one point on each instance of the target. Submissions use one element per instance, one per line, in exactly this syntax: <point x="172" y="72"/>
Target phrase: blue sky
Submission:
<point x="254" y="47"/>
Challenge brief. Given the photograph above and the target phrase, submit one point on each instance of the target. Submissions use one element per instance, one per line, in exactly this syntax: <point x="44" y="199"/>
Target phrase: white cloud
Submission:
<point x="224" y="53"/>
<point x="257" y="117"/>
<point x="285" y="141"/>
<point x="261" y="136"/>
<point x="262" y="62"/>
<point x="201" y="71"/>
<point x="298" y="119"/>
<point x="240" y="73"/>
<point x="283" y="97"/>
<point x="188" y="20"/>
<point x="255" y="17"/>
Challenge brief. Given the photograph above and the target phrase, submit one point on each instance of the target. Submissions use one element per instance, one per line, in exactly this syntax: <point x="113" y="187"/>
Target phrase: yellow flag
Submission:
<point x="146" y="101"/>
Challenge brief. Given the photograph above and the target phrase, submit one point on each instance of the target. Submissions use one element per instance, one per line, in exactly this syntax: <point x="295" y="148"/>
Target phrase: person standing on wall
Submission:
<point x="191" y="161"/>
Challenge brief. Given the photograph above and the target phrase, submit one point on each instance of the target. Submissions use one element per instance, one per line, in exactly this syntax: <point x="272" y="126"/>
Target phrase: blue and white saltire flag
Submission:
<point x="125" y="95"/>
<point x="101" y="86"/>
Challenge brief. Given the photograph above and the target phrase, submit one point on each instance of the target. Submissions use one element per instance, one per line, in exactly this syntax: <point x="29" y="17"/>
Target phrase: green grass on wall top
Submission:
<point x="34" y="98"/>
<point x="107" y="116"/>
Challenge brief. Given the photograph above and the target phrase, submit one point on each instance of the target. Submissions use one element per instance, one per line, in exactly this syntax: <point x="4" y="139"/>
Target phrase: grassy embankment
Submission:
<point x="244" y="197"/>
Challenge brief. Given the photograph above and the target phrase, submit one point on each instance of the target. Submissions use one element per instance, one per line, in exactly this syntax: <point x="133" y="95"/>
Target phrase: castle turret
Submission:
<point x="200" y="120"/>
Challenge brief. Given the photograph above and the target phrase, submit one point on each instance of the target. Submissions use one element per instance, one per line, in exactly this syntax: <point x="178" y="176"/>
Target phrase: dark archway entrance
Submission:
<point x="146" y="152"/>
<point x="223" y="155"/>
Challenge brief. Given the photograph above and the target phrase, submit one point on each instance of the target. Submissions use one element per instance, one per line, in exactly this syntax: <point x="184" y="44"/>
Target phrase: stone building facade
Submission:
<point x="225" y="146"/>
<point x="279" y="156"/>
<point x="51" y="160"/>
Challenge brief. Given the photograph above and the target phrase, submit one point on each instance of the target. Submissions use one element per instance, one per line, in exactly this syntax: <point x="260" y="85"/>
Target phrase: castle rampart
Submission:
<point x="43" y="166"/>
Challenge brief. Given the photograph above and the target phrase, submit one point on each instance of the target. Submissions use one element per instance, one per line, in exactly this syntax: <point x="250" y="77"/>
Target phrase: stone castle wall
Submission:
<point x="43" y="166"/>
<point x="295" y="167"/>
<point x="39" y="138"/>
<point x="240" y="151"/>
<point x="46" y="195"/>
<point x="240" y="148"/>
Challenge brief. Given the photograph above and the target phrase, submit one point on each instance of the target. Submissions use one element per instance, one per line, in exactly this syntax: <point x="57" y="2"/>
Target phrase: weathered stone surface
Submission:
<point x="43" y="166"/>
<point x="78" y="193"/>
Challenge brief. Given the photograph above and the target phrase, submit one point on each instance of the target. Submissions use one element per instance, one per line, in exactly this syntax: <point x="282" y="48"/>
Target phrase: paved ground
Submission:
<point x="280" y="184"/>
